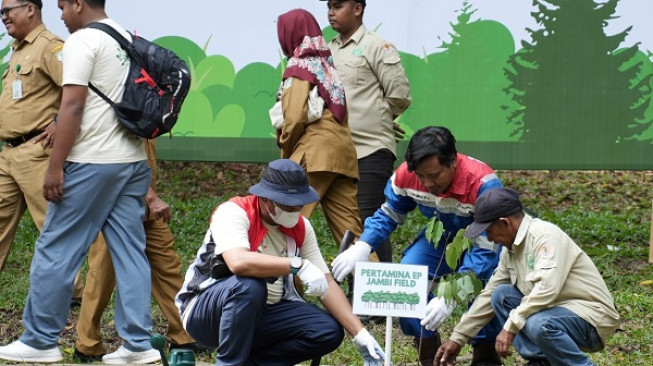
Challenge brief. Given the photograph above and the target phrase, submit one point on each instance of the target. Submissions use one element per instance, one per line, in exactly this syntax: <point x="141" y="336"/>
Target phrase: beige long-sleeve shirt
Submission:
<point x="321" y="146"/>
<point x="376" y="88"/>
<point x="550" y="270"/>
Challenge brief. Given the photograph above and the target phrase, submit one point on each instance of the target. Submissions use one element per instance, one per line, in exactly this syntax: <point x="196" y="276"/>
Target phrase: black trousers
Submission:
<point x="375" y="170"/>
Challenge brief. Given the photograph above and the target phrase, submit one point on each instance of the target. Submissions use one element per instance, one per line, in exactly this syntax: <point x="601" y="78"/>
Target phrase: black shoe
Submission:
<point x="77" y="355"/>
<point x="371" y="319"/>
<point x="538" y="362"/>
<point x="196" y="347"/>
<point x="75" y="302"/>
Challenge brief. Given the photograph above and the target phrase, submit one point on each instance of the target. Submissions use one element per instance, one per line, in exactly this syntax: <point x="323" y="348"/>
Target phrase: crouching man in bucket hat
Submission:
<point x="239" y="294"/>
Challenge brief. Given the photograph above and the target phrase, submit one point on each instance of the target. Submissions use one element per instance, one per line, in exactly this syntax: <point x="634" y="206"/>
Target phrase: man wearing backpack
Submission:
<point x="239" y="294"/>
<point x="96" y="181"/>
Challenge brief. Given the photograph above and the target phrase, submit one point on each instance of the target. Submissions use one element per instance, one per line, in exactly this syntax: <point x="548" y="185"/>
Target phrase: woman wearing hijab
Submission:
<point x="323" y="147"/>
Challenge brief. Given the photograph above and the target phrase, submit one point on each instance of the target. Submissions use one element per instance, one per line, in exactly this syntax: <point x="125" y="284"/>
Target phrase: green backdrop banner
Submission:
<point x="543" y="84"/>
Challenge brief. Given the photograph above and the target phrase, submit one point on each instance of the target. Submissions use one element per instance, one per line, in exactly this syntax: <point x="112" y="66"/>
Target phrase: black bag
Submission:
<point x="155" y="88"/>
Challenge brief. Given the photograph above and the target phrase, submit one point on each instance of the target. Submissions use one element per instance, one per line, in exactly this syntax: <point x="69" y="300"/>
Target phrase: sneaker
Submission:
<point x="124" y="356"/>
<point x="19" y="351"/>
<point x="84" y="358"/>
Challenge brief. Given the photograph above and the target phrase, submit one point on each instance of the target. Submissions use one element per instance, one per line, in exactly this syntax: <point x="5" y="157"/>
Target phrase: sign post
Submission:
<point x="390" y="290"/>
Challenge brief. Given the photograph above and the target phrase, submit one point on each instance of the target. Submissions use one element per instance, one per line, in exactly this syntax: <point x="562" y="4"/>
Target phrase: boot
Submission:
<point x="427" y="348"/>
<point x="485" y="355"/>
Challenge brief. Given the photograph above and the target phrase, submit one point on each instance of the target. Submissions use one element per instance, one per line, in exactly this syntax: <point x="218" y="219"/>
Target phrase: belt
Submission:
<point x="17" y="141"/>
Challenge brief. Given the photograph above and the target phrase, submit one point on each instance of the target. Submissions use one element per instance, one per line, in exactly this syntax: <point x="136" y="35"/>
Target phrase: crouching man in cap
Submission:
<point x="547" y="293"/>
<point x="239" y="294"/>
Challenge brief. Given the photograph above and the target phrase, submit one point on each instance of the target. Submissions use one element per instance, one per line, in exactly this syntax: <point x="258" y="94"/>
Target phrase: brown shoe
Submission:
<point x="427" y="348"/>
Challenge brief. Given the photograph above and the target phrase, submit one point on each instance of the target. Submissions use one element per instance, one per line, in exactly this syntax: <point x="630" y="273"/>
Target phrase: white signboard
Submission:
<point x="387" y="289"/>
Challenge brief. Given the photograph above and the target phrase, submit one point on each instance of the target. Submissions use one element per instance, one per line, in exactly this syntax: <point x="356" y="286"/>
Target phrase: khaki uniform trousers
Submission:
<point x="166" y="281"/>
<point x="338" y="199"/>
<point x="22" y="172"/>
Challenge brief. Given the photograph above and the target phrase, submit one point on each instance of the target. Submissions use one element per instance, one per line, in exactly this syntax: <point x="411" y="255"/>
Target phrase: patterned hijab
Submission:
<point x="309" y="58"/>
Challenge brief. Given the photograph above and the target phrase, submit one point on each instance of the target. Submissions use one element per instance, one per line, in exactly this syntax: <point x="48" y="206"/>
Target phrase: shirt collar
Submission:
<point x="459" y="183"/>
<point x="356" y="37"/>
<point x="523" y="229"/>
<point x="30" y="38"/>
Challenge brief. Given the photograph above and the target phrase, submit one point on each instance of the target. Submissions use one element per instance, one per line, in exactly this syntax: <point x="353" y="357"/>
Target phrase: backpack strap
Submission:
<point x="124" y="43"/>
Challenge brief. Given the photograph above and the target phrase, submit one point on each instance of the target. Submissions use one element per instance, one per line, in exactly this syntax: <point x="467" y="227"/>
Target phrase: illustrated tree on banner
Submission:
<point x="577" y="90"/>
<point x="461" y="86"/>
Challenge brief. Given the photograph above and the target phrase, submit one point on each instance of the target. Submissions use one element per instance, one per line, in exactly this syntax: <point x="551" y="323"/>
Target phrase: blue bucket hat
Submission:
<point x="285" y="182"/>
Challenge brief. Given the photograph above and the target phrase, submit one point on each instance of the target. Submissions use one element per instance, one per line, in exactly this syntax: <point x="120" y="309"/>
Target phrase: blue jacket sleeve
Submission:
<point x="392" y="213"/>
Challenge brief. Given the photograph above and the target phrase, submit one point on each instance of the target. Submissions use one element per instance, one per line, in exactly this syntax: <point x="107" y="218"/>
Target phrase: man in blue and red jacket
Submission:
<point x="440" y="182"/>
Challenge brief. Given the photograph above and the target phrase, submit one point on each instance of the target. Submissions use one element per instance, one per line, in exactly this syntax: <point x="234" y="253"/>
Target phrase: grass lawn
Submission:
<point x="608" y="214"/>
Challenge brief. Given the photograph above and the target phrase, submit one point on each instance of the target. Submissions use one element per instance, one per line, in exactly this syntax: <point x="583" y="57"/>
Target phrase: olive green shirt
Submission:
<point x="550" y="270"/>
<point x="376" y="88"/>
<point x="36" y="61"/>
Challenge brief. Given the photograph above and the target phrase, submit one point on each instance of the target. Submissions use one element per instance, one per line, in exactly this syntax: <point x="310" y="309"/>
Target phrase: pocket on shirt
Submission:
<point x="25" y="75"/>
<point x="354" y="71"/>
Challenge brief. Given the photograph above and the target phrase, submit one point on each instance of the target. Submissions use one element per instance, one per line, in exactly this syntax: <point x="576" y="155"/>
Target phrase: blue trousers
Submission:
<point x="480" y="261"/>
<point x="233" y="317"/>
<point x="557" y="333"/>
<point x="97" y="197"/>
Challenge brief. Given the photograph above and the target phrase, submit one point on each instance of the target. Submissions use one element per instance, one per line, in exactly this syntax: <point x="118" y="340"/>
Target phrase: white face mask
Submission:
<point x="284" y="218"/>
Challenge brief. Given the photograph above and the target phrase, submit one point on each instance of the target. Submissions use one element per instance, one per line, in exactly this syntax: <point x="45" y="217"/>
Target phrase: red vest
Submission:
<point x="257" y="230"/>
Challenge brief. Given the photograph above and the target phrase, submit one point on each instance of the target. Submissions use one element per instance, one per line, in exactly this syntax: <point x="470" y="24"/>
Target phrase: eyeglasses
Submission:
<point x="5" y="11"/>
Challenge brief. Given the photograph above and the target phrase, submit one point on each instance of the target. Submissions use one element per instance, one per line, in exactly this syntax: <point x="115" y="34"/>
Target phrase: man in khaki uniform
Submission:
<point x="31" y="93"/>
<point x="546" y="292"/>
<point x="166" y="276"/>
<point x="377" y="92"/>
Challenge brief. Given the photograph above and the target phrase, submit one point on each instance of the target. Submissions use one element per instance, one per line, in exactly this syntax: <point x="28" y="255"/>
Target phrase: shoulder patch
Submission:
<point x="57" y="49"/>
<point x="546" y="252"/>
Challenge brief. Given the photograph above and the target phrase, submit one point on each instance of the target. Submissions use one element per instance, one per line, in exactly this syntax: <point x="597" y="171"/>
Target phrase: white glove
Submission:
<point x="345" y="262"/>
<point x="369" y="348"/>
<point x="437" y="311"/>
<point x="314" y="279"/>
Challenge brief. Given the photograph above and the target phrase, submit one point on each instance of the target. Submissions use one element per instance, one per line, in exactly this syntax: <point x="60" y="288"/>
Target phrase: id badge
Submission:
<point x="17" y="89"/>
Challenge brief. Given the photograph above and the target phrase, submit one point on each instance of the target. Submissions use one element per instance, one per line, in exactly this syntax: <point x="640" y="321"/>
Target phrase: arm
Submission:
<point x="243" y="262"/>
<point x="392" y="77"/>
<point x="53" y="66"/>
<point x="158" y="208"/>
<point x="335" y="302"/>
<point x="294" y="103"/>
<point x="392" y="213"/>
<point x="70" y="119"/>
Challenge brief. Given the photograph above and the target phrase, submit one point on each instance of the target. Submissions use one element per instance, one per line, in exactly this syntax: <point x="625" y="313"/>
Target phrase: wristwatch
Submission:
<point x="295" y="264"/>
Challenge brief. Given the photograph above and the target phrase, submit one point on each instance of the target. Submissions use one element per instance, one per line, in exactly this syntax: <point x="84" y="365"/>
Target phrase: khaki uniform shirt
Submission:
<point x="321" y="146"/>
<point x="376" y="88"/>
<point x="550" y="270"/>
<point x="36" y="61"/>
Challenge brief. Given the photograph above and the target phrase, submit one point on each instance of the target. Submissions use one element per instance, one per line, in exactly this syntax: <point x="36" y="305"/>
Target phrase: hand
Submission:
<point x="437" y="311"/>
<point x="447" y="353"/>
<point x="53" y="185"/>
<point x="158" y="208"/>
<point x="47" y="136"/>
<point x="399" y="132"/>
<point x="369" y="348"/>
<point x="503" y="342"/>
<point x="345" y="262"/>
<point x="314" y="279"/>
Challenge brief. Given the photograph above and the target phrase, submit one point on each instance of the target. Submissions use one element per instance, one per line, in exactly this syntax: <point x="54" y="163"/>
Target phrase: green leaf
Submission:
<point x="434" y="230"/>
<point x="451" y="255"/>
